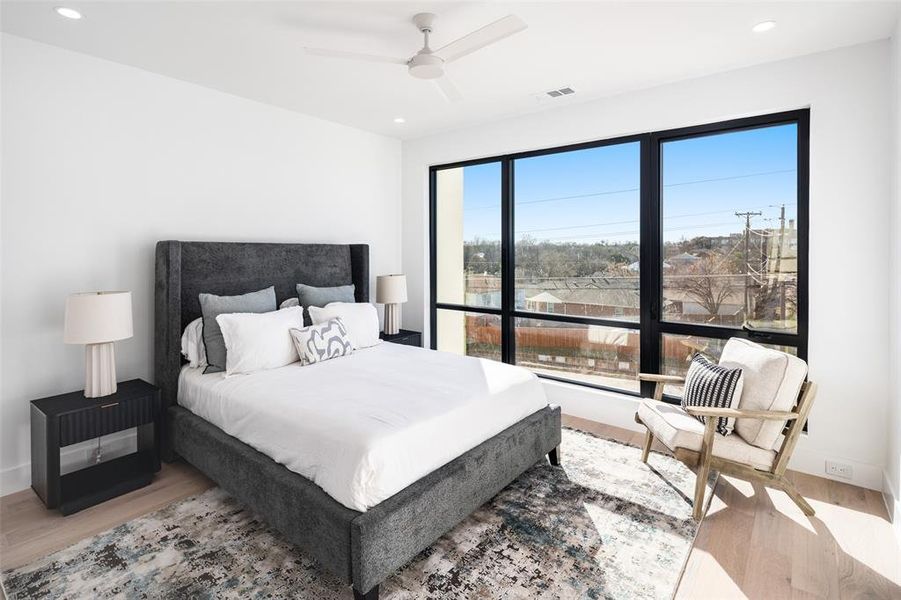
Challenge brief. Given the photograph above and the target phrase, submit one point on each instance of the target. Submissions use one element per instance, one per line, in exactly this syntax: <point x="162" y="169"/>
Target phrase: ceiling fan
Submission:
<point x="428" y="63"/>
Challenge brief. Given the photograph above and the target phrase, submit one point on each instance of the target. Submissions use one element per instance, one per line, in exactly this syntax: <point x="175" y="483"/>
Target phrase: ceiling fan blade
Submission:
<point x="448" y="89"/>
<point x="355" y="56"/>
<point x="480" y="38"/>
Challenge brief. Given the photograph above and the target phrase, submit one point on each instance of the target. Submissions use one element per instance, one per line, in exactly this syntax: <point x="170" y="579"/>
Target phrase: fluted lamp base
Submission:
<point x="392" y="319"/>
<point x="99" y="370"/>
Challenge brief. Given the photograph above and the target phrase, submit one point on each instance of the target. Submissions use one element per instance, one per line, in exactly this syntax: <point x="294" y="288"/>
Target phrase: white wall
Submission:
<point x="848" y="93"/>
<point x="892" y="486"/>
<point x="101" y="160"/>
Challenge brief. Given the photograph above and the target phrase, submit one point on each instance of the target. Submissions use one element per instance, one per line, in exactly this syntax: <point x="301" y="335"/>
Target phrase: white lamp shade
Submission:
<point x="391" y="289"/>
<point x="98" y="317"/>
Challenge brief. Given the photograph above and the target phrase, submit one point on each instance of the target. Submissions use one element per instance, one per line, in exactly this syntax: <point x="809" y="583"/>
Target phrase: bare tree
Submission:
<point x="705" y="281"/>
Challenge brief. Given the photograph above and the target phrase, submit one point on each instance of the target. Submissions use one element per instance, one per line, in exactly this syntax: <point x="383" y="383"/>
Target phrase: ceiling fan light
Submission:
<point x="426" y="66"/>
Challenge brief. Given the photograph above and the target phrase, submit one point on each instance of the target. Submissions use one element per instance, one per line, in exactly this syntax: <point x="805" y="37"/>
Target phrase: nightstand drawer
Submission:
<point x="404" y="337"/>
<point x="104" y="419"/>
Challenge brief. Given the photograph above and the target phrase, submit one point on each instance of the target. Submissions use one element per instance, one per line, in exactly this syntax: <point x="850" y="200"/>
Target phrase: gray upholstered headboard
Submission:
<point x="185" y="269"/>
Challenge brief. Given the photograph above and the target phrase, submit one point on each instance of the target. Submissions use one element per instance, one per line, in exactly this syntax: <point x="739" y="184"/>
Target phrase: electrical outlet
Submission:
<point x="838" y="469"/>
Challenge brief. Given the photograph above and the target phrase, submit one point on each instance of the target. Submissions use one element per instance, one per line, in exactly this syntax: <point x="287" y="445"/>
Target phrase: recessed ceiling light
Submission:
<point x="399" y="120"/>
<point x="69" y="13"/>
<point x="764" y="26"/>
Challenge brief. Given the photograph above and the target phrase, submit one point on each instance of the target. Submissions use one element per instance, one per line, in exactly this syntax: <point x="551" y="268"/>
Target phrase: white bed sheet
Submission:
<point x="365" y="426"/>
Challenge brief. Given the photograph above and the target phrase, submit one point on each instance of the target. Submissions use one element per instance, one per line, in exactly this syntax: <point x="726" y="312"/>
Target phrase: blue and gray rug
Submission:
<point x="603" y="526"/>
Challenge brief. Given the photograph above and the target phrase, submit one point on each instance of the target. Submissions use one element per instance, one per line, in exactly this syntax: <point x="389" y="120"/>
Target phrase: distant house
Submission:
<point x="619" y="299"/>
<point x="543" y="302"/>
<point x="683" y="260"/>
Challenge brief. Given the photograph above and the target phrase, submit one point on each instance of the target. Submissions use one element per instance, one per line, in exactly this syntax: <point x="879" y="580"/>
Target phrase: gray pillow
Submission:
<point x="320" y="296"/>
<point x="211" y="306"/>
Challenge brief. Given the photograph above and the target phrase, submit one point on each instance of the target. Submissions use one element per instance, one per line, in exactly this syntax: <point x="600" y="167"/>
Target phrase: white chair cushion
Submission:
<point x="772" y="381"/>
<point x="675" y="428"/>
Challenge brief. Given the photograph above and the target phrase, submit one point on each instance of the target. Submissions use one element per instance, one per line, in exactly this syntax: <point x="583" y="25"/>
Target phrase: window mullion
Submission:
<point x="649" y="262"/>
<point x="433" y="259"/>
<point x="508" y="283"/>
<point x="803" y="199"/>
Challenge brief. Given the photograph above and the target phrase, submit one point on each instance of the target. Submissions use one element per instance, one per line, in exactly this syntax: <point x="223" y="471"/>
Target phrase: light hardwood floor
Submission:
<point x="753" y="543"/>
<point x="29" y="531"/>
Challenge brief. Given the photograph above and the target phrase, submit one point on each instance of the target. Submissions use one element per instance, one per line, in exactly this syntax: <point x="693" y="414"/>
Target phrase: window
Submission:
<point x="466" y="260"/>
<point x="468" y="236"/>
<point x="576" y="217"/>
<point x="469" y="333"/>
<point x="730" y="213"/>
<point x="591" y="263"/>
<point x="594" y="354"/>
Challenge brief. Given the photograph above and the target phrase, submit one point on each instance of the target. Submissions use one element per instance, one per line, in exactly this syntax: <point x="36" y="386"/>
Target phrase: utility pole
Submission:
<point x="778" y="271"/>
<point x="745" y="262"/>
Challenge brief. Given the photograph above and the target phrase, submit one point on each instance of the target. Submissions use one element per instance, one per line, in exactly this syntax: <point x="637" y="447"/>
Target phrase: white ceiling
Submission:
<point x="254" y="49"/>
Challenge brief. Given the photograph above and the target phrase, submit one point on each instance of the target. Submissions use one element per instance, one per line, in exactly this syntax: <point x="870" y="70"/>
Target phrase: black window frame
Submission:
<point x="651" y="325"/>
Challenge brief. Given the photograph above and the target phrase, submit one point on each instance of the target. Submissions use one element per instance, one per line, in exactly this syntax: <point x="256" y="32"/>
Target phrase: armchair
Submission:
<point x="775" y="394"/>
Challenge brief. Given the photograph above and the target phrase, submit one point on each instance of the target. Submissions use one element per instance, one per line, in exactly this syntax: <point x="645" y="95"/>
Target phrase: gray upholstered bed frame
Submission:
<point x="362" y="549"/>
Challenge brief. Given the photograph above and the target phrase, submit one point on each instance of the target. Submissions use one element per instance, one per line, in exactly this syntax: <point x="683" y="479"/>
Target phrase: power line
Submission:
<point x="745" y="176"/>
<point x="558" y="198"/>
<point x="601" y="236"/>
<point x="682" y="216"/>
<point x="634" y="189"/>
<point x="631" y="232"/>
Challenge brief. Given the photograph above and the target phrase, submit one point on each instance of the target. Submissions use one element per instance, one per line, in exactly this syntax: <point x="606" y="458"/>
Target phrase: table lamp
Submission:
<point x="97" y="319"/>
<point x="391" y="290"/>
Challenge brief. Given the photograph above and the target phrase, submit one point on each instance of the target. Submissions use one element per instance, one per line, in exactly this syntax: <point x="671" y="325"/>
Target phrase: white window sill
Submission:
<point x="603" y="406"/>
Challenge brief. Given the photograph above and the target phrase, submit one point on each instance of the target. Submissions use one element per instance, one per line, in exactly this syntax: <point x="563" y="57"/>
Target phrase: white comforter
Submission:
<point x="364" y="427"/>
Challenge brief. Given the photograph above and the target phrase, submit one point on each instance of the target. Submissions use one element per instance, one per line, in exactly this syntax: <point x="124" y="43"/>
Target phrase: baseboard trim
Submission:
<point x="619" y="410"/>
<point x="813" y="462"/>
<point x="15" y="479"/>
<point x="892" y="505"/>
<point x="72" y="458"/>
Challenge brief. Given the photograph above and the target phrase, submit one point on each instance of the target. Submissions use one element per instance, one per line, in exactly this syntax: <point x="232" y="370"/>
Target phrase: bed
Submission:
<point x="359" y="523"/>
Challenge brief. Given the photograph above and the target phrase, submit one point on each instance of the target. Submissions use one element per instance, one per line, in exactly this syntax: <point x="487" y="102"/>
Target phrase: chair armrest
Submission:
<point x="660" y="378"/>
<point x="738" y="413"/>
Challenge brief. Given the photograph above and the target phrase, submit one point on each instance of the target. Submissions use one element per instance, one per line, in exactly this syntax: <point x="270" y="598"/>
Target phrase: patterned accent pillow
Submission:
<point x="712" y="386"/>
<point x="317" y="343"/>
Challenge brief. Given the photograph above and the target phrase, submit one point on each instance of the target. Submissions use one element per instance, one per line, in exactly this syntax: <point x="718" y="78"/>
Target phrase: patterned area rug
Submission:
<point x="605" y="525"/>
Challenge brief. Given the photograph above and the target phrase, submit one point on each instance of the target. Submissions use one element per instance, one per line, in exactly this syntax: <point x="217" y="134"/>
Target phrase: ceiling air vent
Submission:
<point x="564" y="91"/>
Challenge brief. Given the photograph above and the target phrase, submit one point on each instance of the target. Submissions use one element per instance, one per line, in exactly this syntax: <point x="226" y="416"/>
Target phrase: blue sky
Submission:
<point x="592" y="195"/>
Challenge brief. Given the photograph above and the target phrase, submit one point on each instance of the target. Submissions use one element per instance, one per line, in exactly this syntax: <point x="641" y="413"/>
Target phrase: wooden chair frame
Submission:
<point x="704" y="459"/>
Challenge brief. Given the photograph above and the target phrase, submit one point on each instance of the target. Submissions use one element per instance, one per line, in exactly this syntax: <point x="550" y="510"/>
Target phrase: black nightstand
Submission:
<point x="404" y="336"/>
<point x="67" y="419"/>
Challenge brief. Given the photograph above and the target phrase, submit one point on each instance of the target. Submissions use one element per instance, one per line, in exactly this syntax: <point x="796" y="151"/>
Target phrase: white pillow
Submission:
<point x="360" y="319"/>
<point x="192" y="347"/>
<point x="289" y="302"/>
<point x="257" y="341"/>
